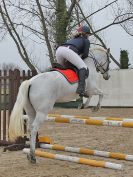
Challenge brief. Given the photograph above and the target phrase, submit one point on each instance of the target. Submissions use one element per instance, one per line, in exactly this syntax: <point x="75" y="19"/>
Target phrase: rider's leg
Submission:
<point x="59" y="57"/>
<point x="63" y="53"/>
<point x="83" y="74"/>
<point x="74" y="58"/>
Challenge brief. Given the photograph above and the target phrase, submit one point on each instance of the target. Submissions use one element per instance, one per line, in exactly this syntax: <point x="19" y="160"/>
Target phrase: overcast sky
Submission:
<point x="116" y="39"/>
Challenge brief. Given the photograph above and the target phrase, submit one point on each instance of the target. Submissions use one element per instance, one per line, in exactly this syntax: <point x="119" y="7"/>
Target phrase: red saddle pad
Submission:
<point x="69" y="74"/>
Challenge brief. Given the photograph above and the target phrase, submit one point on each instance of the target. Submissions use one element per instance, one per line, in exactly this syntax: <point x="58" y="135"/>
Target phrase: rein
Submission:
<point x="97" y="64"/>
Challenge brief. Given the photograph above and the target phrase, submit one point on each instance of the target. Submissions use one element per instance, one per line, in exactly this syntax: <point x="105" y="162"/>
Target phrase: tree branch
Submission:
<point x="45" y="32"/>
<point x="114" y="23"/>
<point x="95" y="12"/>
<point x="101" y="41"/>
<point x="26" y="58"/>
<point x="71" y="7"/>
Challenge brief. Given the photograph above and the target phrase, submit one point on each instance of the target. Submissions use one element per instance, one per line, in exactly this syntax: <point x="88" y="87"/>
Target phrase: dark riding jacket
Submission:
<point x="80" y="45"/>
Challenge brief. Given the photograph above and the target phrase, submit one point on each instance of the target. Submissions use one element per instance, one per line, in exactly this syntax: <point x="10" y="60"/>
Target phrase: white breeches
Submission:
<point x="64" y="53"/>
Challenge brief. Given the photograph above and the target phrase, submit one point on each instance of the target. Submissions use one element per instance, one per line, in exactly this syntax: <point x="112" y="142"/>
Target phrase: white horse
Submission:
<point x="38" y="95"/>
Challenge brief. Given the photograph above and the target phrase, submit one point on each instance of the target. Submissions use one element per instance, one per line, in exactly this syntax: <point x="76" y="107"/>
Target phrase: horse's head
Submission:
<point x="101" y="60"/>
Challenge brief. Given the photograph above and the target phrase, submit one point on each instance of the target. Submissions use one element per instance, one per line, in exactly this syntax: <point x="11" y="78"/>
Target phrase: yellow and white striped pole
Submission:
<point x="25" y="117"/>
<point x="95" y="118"/>
<point x="88" y="151"/>
<point x="75" y="159"/>
<point x="90" y="121"/>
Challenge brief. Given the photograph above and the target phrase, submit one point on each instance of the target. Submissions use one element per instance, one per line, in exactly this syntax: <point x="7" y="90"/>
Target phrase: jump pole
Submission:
<point x="88" y="151"/>
<point x="95" y="118"/>
<point x="25" y="117"/>
<point x="76" y="159"/>
<point x="89" y="122"/>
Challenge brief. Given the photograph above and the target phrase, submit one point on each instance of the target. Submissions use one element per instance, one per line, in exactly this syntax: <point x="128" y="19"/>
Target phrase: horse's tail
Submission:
<point x="16" y="125"/>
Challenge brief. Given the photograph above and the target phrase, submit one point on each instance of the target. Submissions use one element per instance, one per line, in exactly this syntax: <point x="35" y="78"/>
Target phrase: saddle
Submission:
<point x="69" y="71"/>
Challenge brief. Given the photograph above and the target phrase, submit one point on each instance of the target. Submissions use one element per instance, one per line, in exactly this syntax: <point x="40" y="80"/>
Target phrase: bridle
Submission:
<point x="98" y="65"/>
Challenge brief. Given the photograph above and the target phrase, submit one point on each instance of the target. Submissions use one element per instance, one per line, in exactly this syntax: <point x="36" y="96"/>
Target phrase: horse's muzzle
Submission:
<point x="107" y="78"/>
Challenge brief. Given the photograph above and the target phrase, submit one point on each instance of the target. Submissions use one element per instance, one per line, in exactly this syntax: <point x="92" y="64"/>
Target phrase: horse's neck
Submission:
<point x="90" y="64"/>
<point x="98" y="54"/>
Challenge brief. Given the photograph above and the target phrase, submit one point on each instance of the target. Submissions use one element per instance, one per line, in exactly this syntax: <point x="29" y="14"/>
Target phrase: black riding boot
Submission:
<point x="83" y="74"/>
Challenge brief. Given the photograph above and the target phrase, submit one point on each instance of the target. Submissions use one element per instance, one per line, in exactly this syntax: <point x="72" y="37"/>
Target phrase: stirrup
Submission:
<point x="84" y="95"/>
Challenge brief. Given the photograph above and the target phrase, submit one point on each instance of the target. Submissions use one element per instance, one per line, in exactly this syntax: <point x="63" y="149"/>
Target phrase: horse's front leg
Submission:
<point x="98" y="106"/>
<point x="86" y="104"/>
<point x="34" y="129"/>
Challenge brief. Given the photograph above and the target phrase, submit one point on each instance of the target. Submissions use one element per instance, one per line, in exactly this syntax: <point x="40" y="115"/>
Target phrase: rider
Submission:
<point x="75" y="51"/>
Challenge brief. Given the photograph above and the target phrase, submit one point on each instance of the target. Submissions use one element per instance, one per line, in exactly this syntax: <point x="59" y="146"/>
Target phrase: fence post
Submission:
<point x="9" y="86"/>
<point x="0" y="105"/>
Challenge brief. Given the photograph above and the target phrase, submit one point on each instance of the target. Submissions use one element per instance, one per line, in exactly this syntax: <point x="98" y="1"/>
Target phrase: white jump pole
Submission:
<point x="75" y="159"/>
<point x="89" y="122"/>
<point x="88" y="151"/>
<point x="95" y="118"/>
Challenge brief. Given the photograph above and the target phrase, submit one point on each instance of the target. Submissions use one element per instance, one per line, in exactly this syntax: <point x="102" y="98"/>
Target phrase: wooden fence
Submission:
<point x="9" y="85"/>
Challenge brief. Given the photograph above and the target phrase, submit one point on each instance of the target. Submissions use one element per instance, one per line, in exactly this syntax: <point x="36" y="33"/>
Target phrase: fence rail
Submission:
<point x="9" y="85"/>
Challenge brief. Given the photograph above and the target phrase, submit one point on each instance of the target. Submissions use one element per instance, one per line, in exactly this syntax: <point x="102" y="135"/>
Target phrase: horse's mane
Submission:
<point x="98" y="48"/>
<point x="94" y="50"/>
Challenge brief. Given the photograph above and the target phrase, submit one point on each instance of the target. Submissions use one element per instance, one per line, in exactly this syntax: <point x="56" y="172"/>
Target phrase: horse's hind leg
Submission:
<point x="34" y="129"/>
<point x="30" y="111"/>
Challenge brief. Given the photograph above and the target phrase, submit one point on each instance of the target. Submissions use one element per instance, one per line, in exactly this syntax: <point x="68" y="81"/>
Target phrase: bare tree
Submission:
<point x="36" y="21"/>
<point x="14" y="34"/>
<point x="46" y="24"/>
<point x="124" y="16"/>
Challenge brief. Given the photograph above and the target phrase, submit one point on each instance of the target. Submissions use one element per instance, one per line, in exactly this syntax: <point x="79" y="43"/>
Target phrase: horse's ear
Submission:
<point x="108" y="50"/>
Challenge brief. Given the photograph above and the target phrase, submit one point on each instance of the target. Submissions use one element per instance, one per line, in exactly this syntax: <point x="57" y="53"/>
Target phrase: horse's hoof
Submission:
<point x="94" y="109"/>
<point x="31" y="158"/>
